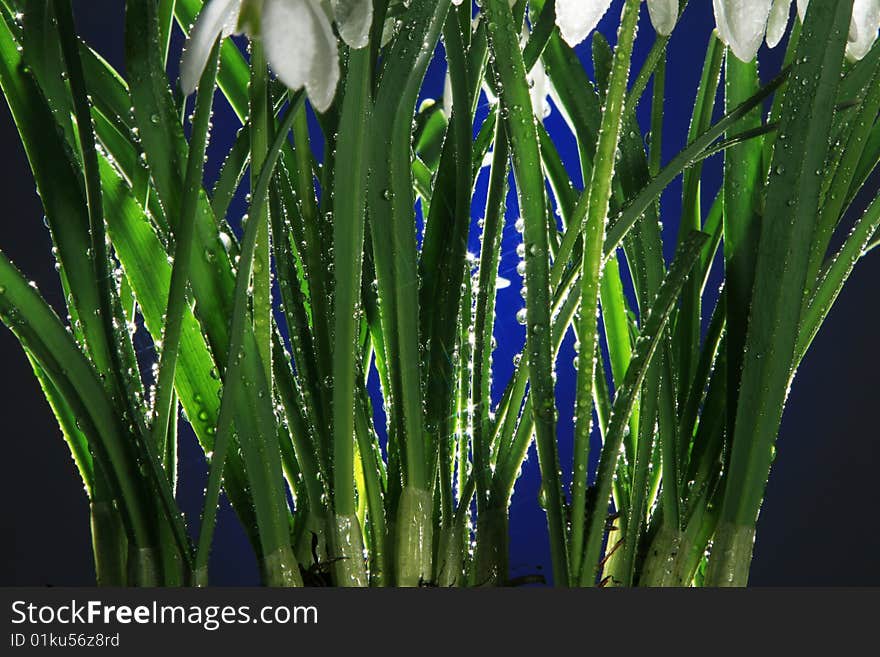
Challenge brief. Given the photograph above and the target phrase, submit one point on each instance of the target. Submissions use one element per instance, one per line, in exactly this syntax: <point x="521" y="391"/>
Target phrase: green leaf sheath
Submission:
<point x="791" y="209"/>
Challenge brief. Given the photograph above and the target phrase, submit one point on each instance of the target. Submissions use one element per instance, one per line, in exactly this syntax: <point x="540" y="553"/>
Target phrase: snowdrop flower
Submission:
<point x="297" y="36"/>
<point x="577" y="18"/>
<point x="863" y="28"/>
<point x="777" y="22"/>
<point x="744" y="24"/>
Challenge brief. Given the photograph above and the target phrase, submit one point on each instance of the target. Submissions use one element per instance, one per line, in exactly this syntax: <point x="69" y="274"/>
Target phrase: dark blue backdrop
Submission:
<point x="816" y="526"/>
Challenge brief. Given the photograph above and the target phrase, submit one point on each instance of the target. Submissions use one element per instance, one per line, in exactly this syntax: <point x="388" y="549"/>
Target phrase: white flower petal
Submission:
<point x="745" y="25"/>
<point x="301" y="48"/>
<point x="447" y="95"/>
<point x="866" y="19"/>
<point x="577" y="18"/>
<point x="539" y="88"/>
<point x="664" y="15"/>
<point x="721" y="21"/>
<point x="778" y="22"/>
<point x="354" y="19"/>
<point x="218" y="17"/>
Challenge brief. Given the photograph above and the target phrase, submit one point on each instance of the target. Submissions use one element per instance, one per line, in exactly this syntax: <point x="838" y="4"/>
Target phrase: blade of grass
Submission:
<point x="780" y="280"/>
<point x="520" y="123"/>
<point x="742" y="189"/>
<point x="279" y="562"/>
<point x="40" y="331"/>
<point x="391" y="201"/>
<point x="348" y="243"/>
<point x="594" y="224"/>
<point x="689" y="318"/>
<point x="646" y="346"/>
<point x="259" y="121"/>
<point x="183" y="254"/>
<point x="635" y="207"/>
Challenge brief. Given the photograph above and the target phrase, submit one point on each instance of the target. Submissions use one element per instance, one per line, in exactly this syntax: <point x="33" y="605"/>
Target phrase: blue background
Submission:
<point x="818" y="521"/>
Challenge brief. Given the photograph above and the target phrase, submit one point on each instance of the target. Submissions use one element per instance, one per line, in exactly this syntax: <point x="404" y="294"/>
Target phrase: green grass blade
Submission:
<point x="780" y="281"/>
<point x="99" y="255"/>
<point x="742" y="189"/>
<point x="636" y="207"/>
<point x="443" y="257"/>
<point x="834" y="275"/>
<point x="516" y="104"/>
<point x="40" y="331"/>
<point x="391" y="201"/>
<point x="348" y="243"/>
<point x="159" y="127"/>
<point x="689" y="318"/>
<point x="646" y="346"/>
<point x="264" y="468"/>
<point x="594" y="226"/>
<point x="196" y="380"/>
<point x="853" y="141"/>
<point x="260" y="119"/>
<point x="484" y="313"/>
<point x="183" y="253"/>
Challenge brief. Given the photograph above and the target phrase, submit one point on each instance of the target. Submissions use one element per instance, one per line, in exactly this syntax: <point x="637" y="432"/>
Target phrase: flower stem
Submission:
<point x="260" y="116"/>
<point x="348" y="242"/>
<point x="591" y="272"/>
<point x="521" y="130"/>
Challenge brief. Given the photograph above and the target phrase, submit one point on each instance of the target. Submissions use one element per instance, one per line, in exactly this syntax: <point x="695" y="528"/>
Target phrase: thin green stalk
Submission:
<point x="348" y="244"/>
<point x="519" y="116"/>
<point x="496" y="203"/>
<point x="184" y="237"/>
<point x="833" y="277"/>
<point x="100" y="259"/>
<point x="636" y="207"/>
<point x="233" y="376"/>
<point x="646" y="346"/>
<point x="371" y="458"/>
<point x="591" y="266"/>
<point x="166" y="25"/>
<point x="780" y="281"/>
<point x="652" y="61"/>
<point x="260" y="120"/>
<point x="689" y="319"/>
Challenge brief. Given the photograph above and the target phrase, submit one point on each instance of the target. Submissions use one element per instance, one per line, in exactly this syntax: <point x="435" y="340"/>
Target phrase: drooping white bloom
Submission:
<point x="862" y="29"/>
<point x="742" y="25"/>
<point x="778" y="22"/>
<point x="577" y="18"/>
<point x="664" y="15"/>
<point x="297" y="36"/>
